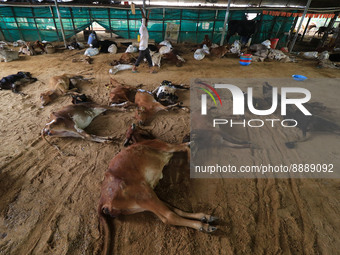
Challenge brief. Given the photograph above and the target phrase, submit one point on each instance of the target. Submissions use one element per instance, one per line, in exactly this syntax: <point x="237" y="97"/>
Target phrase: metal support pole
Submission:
<point x="90" y="15"/>
<point x="163" y="29"/>
<point x="61" y="23"/>
<point x="2" y="34"/>
<point x="292" y="30"/>
<point x="35" y="23"/>
<point x="325" y="22"/>
<point x="213" y="30"/>
<point x="291" y="46"/>
<point x="198" y="22"/>
<point x="304" y="32"/>
<point x="72" y="19"/>
<point x="144" y="8"/>
<point x="55" y="24"/>
<point x="16" y="22"/>
<point x="293" y="26"/>
<point x="180" y="25"/>
<point x="109" y="15"/>
<point x="225" y="23"/>
<point x="128" y="23"/>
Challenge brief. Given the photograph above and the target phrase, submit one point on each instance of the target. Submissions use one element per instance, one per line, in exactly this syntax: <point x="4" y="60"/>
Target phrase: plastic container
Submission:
<point x="298" y="77"/>
<point x="92" y="37"/>
<point x="245" y="59"/>
<point x="50" y="49"/>
<point x="273" y="42"/>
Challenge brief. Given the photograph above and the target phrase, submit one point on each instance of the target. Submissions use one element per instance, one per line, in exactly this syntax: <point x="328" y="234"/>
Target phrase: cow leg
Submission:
<point x="15" y="90"/>
<point x="172" y="106"/>
<point x="125" y="104"/>
<point x="61" y="134"/>
<point x="94" y="138"/>
<point x="100" y="139"/>
<point x="205" y="218"/>
<point x="80" y="133"/>
<point x="168" y="216"/>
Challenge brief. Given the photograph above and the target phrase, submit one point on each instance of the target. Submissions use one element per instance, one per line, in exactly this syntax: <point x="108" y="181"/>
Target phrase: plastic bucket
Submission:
<point x="245" y="59"/>
<point x="273" y="42"/>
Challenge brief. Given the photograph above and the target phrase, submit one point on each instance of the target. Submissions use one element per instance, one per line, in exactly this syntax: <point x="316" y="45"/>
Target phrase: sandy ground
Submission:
<point x="48" y="202"/>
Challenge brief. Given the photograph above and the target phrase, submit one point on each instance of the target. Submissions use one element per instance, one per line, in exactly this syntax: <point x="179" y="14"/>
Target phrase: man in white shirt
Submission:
<point x="144" y="52"/>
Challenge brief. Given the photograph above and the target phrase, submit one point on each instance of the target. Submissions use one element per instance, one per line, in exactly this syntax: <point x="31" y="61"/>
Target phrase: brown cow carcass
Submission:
<point x="128" y="188"/>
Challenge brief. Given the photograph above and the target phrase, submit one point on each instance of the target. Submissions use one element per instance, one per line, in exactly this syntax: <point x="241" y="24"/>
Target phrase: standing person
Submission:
<point x="144" y="52"/>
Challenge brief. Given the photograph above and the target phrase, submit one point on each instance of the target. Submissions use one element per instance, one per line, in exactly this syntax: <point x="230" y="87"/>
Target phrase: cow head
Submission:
<point x="47" y="97"/>
<point x="111" y="188"/>
<point x="56" y="127"/>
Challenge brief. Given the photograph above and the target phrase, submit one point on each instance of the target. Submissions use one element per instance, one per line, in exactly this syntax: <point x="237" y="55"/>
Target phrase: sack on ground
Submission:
<point x="91" y="52"/>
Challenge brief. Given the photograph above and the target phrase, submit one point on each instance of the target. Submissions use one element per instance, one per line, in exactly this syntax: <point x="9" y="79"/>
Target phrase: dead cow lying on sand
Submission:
<point x="129" y="183"/>
<point x="60" y="85"/>
<point x="219" y="51"/>
<point x="71" y="121"/>
<point x="12" y="82"/>
<point x="147" y="105"/>
<point x="122" y="95"/>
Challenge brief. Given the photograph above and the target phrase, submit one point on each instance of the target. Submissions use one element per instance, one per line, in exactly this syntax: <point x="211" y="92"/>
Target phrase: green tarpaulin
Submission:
<point x="41" y="23"/>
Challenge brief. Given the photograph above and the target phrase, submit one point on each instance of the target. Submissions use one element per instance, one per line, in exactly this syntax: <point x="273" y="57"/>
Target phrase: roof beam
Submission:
<point x="61" y="23"/>
<point x="225" y="23"/>
<point x="291" y="46"/>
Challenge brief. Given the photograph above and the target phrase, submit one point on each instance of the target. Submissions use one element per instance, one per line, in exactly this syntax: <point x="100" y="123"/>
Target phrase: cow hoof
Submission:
<point x="208" y="229"/>
<point x="210" y="220"/>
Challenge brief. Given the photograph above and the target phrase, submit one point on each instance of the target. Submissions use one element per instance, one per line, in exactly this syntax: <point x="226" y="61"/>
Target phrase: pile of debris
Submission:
<point x="263" y="51"/>
<point x="260" y="52"/>
<point x="325" y="59"/>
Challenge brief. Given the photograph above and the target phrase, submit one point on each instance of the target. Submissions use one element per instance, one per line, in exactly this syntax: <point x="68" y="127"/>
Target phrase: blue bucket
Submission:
<point x="245" y="59"/>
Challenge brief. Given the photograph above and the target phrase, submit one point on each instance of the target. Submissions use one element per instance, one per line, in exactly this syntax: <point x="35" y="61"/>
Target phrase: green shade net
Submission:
<point x="41" y="23"/>
<point x="274" y="27"/>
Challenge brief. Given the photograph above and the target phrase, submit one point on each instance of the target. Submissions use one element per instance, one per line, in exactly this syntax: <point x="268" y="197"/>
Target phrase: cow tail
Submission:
<point x="104" y="227"/>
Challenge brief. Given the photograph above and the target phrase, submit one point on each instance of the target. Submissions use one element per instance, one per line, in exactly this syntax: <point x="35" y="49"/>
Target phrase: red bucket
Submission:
<point x="273" y="42"/>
